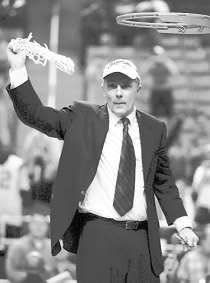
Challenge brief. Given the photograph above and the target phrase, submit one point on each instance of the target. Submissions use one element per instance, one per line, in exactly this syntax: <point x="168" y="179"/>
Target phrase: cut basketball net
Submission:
<point x="41" y="54"/>
<point x="176" y="23"/>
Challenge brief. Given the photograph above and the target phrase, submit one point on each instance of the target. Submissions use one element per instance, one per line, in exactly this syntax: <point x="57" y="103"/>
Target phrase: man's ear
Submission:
<point x="103" y="87"/>
<point x="138" y="89"/>
<point x="138" y="86"/>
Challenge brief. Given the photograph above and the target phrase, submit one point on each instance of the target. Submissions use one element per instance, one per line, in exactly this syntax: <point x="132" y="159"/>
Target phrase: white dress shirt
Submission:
<point x="99" y="196"/>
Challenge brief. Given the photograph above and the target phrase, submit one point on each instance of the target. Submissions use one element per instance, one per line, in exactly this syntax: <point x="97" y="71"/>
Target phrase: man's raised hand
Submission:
<point x="17" y="59"/>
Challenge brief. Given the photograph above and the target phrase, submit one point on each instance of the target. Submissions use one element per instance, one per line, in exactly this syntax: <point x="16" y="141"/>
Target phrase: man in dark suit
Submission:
<point x="113" y="163"/>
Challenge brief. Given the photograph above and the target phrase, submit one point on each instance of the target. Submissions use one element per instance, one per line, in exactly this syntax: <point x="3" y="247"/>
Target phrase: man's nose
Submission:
<point x="119" y="91"/>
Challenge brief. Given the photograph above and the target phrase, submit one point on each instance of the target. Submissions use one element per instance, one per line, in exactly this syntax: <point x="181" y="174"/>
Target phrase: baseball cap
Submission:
<point x="123" y="66"/>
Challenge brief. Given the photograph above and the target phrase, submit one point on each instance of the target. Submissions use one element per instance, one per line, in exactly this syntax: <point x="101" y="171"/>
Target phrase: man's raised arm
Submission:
<point x="27" y="104"/>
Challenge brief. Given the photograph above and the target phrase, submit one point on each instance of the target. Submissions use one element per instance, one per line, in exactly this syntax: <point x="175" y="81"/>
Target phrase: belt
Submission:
<point x="127" y="224"/>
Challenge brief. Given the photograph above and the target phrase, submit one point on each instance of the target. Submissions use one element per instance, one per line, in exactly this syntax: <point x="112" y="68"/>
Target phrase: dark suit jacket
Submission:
<point x="83" y="127"/>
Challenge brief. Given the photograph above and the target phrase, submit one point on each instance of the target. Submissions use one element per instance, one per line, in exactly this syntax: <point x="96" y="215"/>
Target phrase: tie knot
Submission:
<point x="125" y="122"/>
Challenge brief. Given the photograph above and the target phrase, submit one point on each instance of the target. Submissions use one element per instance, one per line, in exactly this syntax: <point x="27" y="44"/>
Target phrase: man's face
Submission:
<point x="120" y="92"/>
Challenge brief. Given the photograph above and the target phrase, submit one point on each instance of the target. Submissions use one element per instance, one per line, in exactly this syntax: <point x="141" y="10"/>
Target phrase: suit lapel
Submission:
<point x="147" y="138"/>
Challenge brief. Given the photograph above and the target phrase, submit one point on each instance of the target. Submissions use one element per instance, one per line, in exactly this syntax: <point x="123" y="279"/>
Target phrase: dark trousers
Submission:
<point x="108" y="253"/>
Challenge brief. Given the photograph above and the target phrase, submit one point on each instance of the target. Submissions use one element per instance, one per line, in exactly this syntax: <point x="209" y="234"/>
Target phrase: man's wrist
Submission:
<point x="183" y="222"/>
<point x="17" y="69"/>
<point x="18" y="76"/>
<point x="185" y="228"/>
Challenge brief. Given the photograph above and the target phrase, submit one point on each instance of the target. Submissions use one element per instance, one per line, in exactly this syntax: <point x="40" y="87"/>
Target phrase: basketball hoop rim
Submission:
<point x="158" y="14"/>
<point x="189" y="23"/>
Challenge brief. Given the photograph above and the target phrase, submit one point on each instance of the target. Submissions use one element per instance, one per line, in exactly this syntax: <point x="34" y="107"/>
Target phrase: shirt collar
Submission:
<point x="114" y="120"/>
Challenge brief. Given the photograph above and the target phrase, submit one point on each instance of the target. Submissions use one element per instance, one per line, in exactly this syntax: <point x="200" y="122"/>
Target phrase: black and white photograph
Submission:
<point x="104" y="141"/>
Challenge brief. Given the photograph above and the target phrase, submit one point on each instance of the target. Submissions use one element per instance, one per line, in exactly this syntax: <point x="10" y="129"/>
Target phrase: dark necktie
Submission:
<point x="125" y="185"/>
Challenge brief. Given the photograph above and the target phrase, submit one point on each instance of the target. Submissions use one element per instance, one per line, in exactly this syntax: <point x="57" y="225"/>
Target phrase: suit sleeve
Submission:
<point x="33" y="113"/>
<point x="164" y="185"/>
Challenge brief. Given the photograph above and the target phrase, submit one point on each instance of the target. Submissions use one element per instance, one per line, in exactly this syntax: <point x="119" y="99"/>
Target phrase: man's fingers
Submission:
<point x="184" y="242"/>
<point x="12" y="50"/>
<point x="179" y="238"/>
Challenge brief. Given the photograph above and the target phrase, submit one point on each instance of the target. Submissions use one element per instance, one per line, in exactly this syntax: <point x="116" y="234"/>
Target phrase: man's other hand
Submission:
<point x="188" y="237"/>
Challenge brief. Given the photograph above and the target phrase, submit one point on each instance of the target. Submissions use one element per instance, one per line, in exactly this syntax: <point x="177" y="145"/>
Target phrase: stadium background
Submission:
<point x="190" y="53"/>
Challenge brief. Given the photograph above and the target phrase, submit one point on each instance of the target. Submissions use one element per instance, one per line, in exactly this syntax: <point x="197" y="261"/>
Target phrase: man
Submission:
<point x="113" y="162"/>
<point x="29" y="258"/>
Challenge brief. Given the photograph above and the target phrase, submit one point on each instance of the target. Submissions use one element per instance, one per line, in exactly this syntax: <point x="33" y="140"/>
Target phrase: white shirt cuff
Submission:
<point x="18" y="77"/>
<point x="182" y="222"/>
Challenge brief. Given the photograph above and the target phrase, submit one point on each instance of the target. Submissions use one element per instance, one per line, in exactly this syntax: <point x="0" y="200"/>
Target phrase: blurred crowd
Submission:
<point x="99" y="27"/>
<point x="26" y="181"/>
<point x="29" y="257"/>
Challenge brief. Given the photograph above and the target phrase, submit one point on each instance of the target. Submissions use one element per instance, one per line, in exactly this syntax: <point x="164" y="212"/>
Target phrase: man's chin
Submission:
<point x="120" y="112"/>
